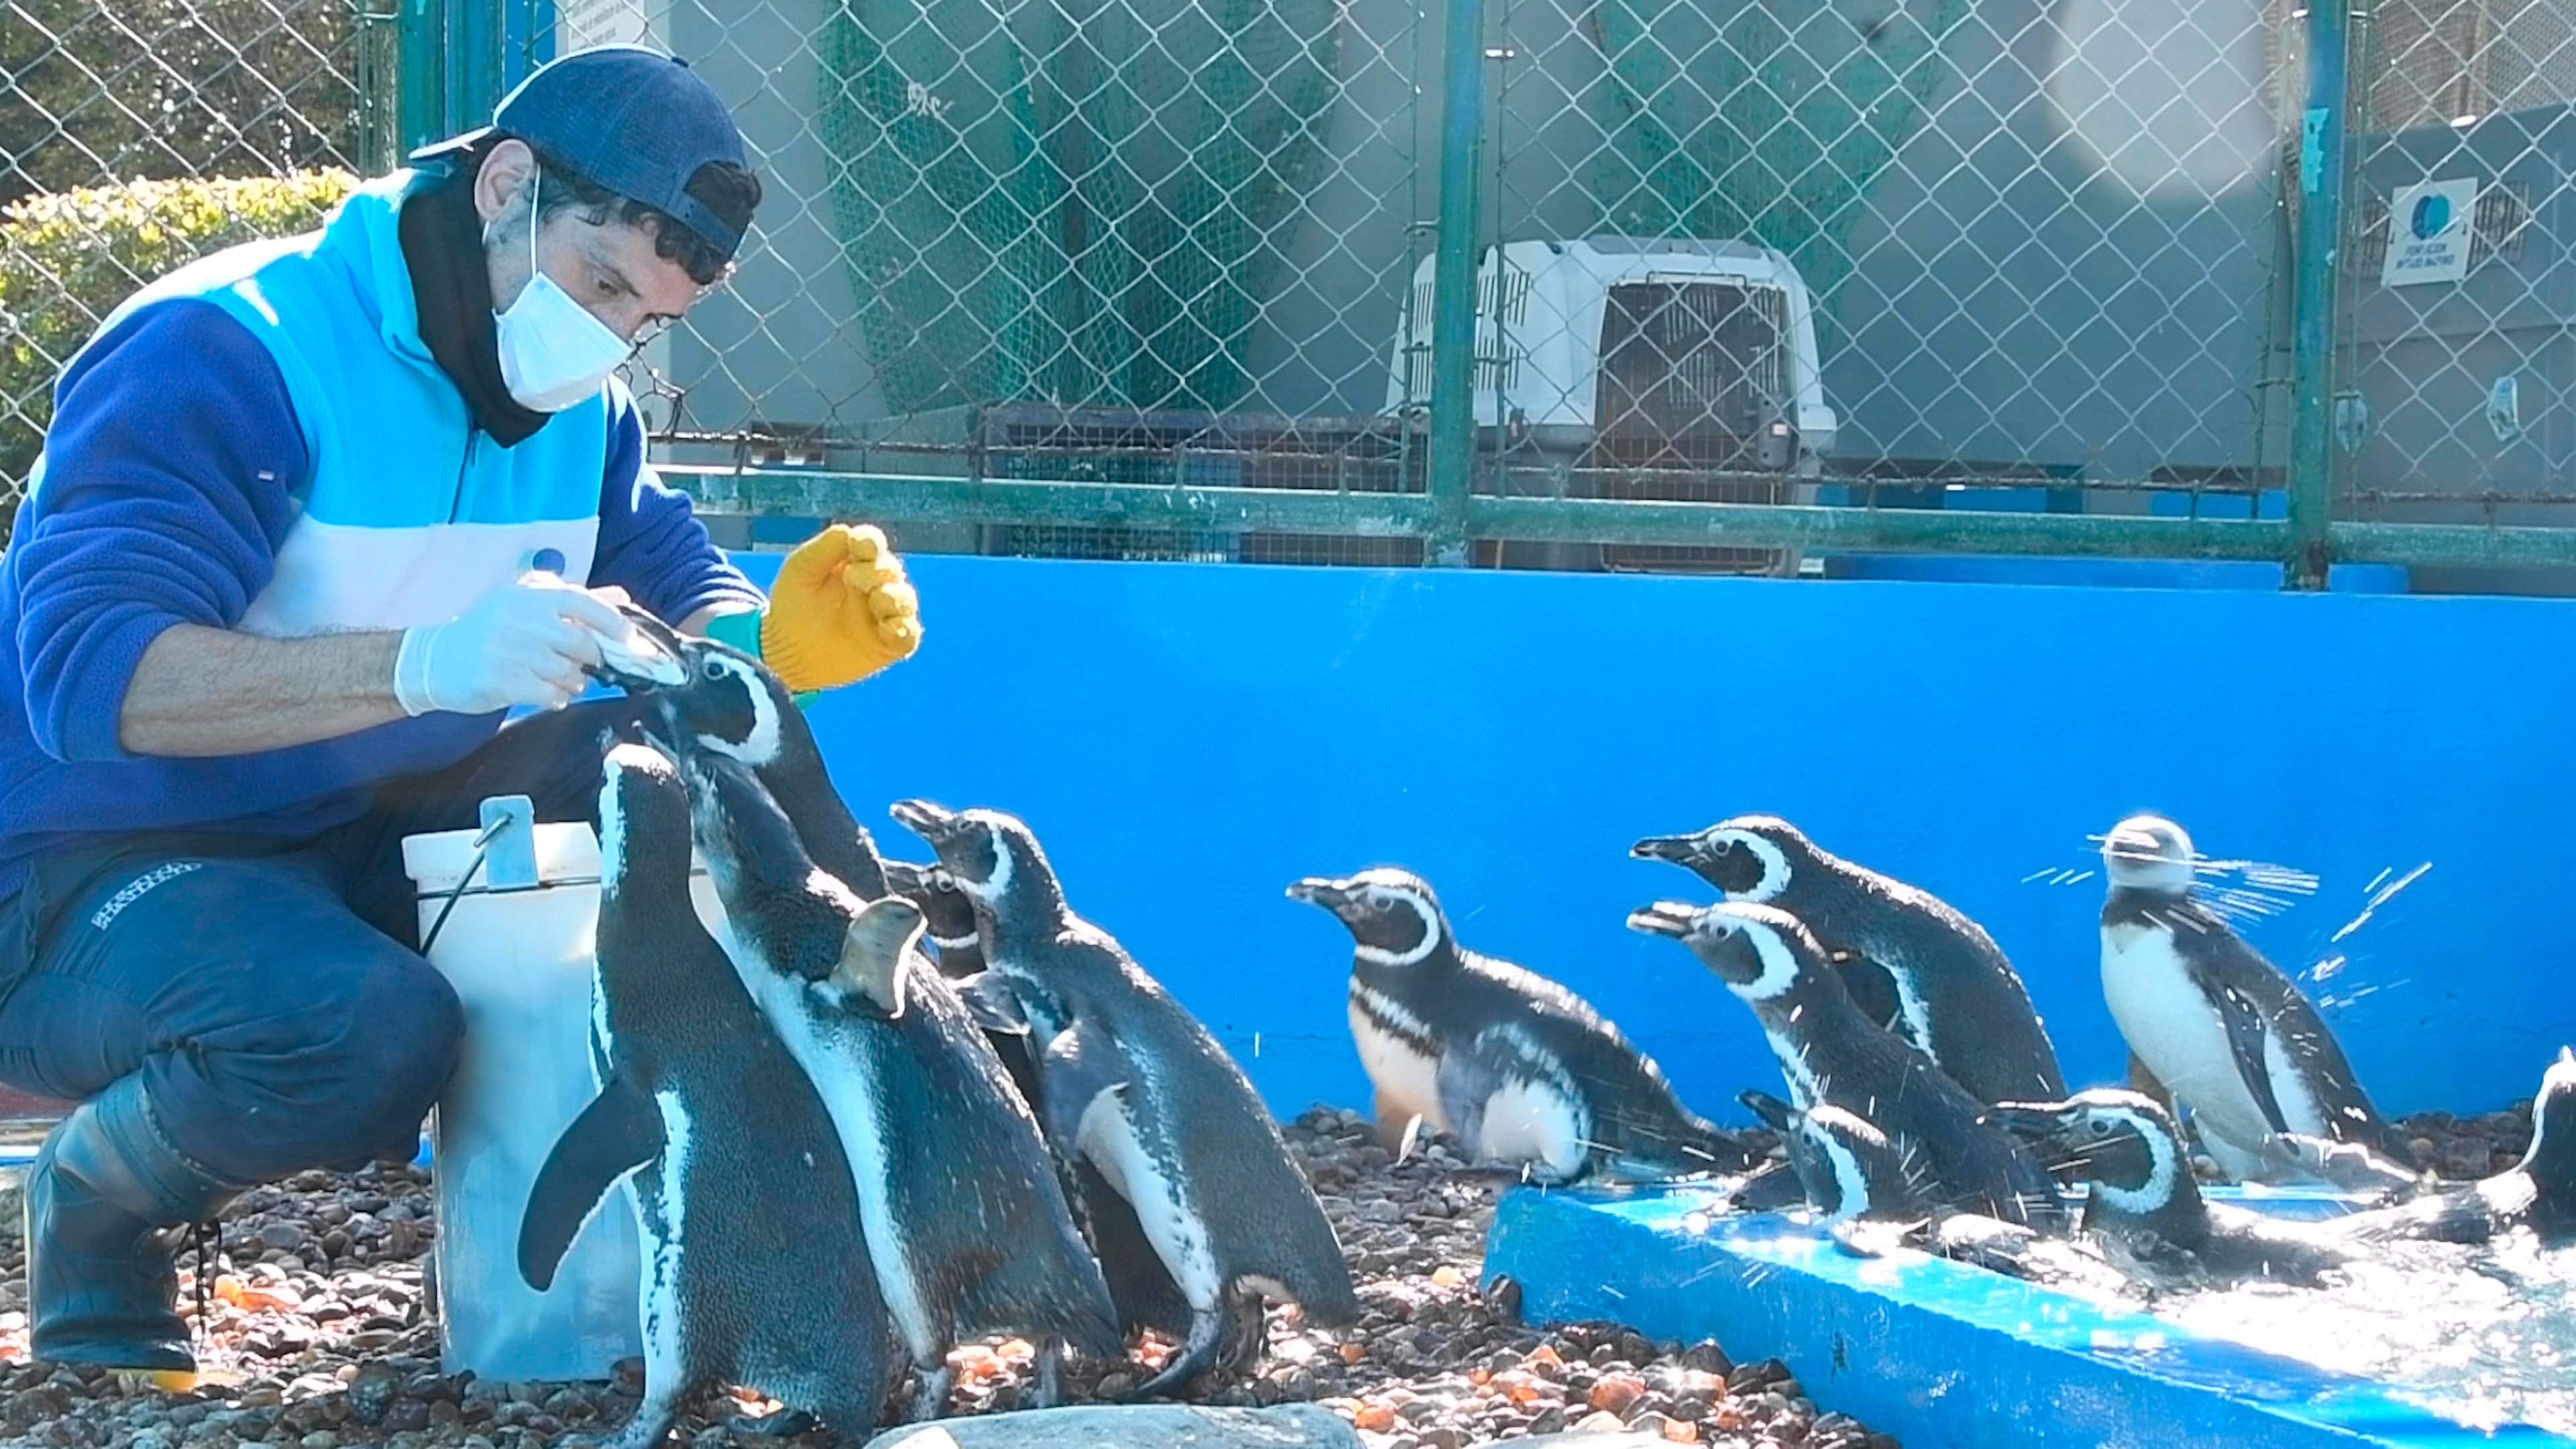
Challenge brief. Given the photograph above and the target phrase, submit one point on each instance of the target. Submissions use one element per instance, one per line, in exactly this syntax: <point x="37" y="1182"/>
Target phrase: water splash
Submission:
<point x="2482" y="1336"/>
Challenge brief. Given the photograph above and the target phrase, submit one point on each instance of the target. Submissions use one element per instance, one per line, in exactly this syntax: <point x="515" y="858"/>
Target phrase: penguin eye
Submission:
<point x="2101" y="1129"/>
<point x="714" y="668"/>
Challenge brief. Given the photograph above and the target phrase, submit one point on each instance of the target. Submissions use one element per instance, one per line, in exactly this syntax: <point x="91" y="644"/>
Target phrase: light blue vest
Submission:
<point x="408" y="513"/>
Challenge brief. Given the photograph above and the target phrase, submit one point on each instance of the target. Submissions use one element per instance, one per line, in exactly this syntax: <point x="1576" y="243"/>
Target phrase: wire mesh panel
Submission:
<point x="2454" y="365"/>
<point x="2014" y="255"/>
<point x="243" y="118"/>
<point x="1903" y="254"/>
<point x="1171" y="225"/>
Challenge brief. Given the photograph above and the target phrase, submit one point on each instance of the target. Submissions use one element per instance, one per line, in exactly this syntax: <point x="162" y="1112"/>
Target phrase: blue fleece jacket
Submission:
<point x="180" y="472"/>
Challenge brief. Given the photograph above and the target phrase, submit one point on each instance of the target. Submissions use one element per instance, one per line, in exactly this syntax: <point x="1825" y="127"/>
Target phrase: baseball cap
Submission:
<point x="628" y="118"/>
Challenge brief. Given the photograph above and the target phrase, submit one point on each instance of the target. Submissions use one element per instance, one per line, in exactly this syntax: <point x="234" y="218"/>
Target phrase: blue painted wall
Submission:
<point x="1187" y="739"/>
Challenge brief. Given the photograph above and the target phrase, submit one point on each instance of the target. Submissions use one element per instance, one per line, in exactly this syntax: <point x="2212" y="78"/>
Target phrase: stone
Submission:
<point x="1133" y="1426"/>
<point x="1611" y="1437"/>
<point x="372" y="1392"/>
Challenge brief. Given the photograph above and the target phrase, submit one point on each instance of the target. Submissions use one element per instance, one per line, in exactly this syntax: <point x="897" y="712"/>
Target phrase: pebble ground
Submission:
<point x="322" y="1334"/>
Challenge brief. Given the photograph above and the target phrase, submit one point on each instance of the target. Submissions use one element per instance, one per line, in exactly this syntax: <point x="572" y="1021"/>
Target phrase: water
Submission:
<point x="2484" y="1336"/>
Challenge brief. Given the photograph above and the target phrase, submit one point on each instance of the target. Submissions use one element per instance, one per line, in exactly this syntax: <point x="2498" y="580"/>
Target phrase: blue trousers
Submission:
<point x="270" y="992"/>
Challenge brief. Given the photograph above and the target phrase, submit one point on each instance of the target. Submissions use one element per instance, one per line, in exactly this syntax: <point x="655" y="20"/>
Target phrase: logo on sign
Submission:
<point x="2432" y="215"/>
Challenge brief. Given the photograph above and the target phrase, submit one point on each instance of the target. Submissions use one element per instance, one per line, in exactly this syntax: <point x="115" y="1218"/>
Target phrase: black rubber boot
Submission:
<point x="102" y="1283"/>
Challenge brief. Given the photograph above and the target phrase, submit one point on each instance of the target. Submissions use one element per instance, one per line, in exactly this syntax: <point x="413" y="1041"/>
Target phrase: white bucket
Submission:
<point x="520" y="961"/>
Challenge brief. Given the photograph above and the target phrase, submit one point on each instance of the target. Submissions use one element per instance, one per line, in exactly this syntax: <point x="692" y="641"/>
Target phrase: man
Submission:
<point x="312" y="517"/>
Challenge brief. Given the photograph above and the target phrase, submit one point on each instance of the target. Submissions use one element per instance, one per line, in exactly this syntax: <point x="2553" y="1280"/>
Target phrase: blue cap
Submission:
<point x="628" y="118"/>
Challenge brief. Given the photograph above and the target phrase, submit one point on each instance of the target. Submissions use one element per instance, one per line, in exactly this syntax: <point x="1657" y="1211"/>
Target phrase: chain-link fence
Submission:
<point x="2456" y="373"/>
<point x="239" y="118"/>
<point x="1893" y="260"/>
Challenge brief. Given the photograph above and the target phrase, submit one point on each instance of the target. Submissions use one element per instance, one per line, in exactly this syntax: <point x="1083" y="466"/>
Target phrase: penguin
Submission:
<point x="2537" y="1194"/>
<point x="965" y="1219"/>
<point x="1517" y="1068"/>
<point x="2144" y="1201"/>
<point x="950" y="914"/>
<point x="1913" y="962"/>
<point x="1850" y="1170"/>
<point x="2224" y="1031"/>
<point x="1138" y="1089"/>
<point x="740" y="1191"/>
<point x="1832" y="1055"/>
<point x="729" y="703"/>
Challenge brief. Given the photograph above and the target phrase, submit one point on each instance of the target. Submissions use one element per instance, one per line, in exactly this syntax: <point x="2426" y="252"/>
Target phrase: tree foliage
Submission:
<point x="67" y="260"/>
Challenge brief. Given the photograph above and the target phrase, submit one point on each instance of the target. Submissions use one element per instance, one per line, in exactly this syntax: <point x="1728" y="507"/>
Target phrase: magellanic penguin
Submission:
<point x="1913" y="962"/>
<point x="1143" y="1093"/>
<point x="966" y="1220"/>
<point x="2223" y="1029"/>
<point x="730" y="704"/>
<point x="1514" y="1066"/>
<point x="740" y="1190"/>
<point x="1849" y="1169"/>
<point x="950" y="915"/>
<point x="1832" y="1055"/>
<point x="2537" y="1194"/>
<point x="1138" y="1283"/>
<point x="2142" y="1197"/>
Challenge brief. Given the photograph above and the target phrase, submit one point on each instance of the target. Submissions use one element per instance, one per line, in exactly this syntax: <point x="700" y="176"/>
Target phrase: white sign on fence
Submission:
<point x="2428" y="232"/>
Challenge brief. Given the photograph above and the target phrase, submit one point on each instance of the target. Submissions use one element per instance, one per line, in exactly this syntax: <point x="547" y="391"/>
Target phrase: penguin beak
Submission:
<point x="648" y="657"/>
<point x="1772" y="1112"/>
<point x="1664" y="918"/>
<point x="1323" y="891"/>
<point x="1679" y="849"/>
<point x="2033" y="1122"/>
<point x="933" y="823"/>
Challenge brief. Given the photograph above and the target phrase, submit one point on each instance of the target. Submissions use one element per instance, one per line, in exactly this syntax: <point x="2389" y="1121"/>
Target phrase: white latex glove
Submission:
<point x="523" y="644"/>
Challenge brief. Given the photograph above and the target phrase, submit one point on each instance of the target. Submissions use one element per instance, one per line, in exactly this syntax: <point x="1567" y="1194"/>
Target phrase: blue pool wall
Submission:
<point x="1187" y="739"/>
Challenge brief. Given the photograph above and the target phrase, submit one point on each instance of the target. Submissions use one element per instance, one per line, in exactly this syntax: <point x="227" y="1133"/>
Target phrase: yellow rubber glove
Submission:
<point x="840" y="611"/>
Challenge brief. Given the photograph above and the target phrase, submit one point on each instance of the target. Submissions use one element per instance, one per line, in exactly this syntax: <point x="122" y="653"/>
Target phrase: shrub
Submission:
<point x="66" y="260"/>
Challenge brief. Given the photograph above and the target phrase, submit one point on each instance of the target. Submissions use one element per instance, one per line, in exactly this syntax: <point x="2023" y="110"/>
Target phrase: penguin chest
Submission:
<point x="661" y="1197"/>
<point x="1395" y="1049"/>
<point x="1538" y="1122"/>
<point x="839" y="1061"/>
<point x="2177" y="1031"/>
<point x="1145" y="1171"/>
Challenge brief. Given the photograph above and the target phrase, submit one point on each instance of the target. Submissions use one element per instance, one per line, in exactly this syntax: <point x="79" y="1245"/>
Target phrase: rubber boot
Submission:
<point x="102" y="1282"/>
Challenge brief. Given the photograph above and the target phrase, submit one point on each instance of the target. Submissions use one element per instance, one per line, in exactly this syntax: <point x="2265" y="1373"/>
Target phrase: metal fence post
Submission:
<point x="1452" y="463"/>
<point x="2322" y="135"/>
<point x="420" y="95"/>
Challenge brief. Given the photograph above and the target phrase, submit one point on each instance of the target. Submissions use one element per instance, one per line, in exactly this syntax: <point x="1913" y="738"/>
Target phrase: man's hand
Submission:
<point x="524" y="643"/>
<point x="841" y="610"/>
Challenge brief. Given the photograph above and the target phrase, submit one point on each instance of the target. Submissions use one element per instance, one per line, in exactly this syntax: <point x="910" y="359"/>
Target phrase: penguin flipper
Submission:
<point x="1466" y="1082"/>
<point x="2246" y="1035"/>
<point x="1075" y="1070"/>
<point x="619" y="1131"/>
<point x="1873" y="990"/>
<point x="989" y="999"/>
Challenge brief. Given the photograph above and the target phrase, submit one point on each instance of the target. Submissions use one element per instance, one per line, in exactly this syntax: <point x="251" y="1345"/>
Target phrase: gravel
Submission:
<point x="321" y="1336"/>
<point x="2474" y="1146"/>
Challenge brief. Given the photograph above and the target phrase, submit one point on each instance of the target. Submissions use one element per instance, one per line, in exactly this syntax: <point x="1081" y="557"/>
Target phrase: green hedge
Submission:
<point x="66" y="260"/>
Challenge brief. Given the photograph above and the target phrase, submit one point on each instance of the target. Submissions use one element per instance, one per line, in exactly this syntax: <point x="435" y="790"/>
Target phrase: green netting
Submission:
<point x="1076" y="203"/>
<point x="1748" y="119"/>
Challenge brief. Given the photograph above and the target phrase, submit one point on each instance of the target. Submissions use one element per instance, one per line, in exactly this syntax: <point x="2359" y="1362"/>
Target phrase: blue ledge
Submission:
<point x="1941" y="1355"/>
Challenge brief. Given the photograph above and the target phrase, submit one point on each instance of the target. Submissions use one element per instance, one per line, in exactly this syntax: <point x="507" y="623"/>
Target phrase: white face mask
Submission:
<point x="553" y="352"/>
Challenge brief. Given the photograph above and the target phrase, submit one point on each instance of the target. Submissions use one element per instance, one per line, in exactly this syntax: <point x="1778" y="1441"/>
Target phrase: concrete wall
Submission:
<point x="1187" y="739"/>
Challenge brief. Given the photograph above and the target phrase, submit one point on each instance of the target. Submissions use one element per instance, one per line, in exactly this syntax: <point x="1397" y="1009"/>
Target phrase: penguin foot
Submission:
<point x="1247" y="1334"/>
<point x="646" y="1430"/>
<point x="1050" y="1392"/>
<point x="784" y="1424"/>
<point x="1196" y="1355"/>
<point x="930" y="1393"/>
